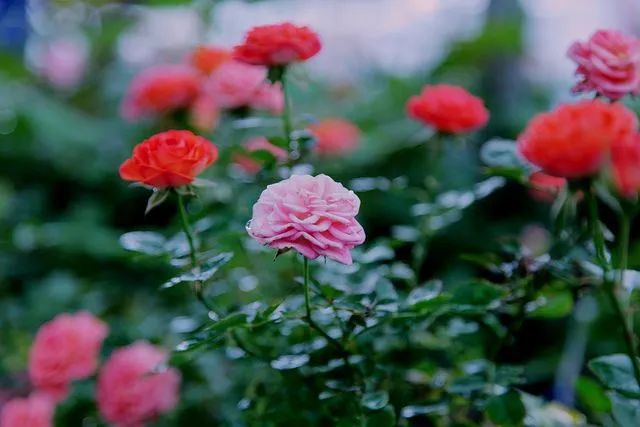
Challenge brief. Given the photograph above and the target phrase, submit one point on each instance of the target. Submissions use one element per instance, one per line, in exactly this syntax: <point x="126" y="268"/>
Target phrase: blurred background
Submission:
<point x="65" y="66"/>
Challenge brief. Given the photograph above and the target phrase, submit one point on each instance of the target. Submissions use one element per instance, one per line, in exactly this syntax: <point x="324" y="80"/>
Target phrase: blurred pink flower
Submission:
<point x="160" y="90"/>
<point x="204" y="114"/>
<point x="268" y="97"/>
<point x="65" y="349"/>
<point x="130" y="391"/>
<point x="252" y="166"/>
<point x="63" y="63"/>
<point x="335" y="136"/>
<point x="609" y="63"/>
<point x="35" y="411"/>
<point x="314" y="215"/>
<point x="234" y="84"/>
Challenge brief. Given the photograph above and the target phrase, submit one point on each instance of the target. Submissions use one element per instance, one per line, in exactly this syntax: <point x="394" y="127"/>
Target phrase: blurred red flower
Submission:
<point x="335" y="136"/>
<point x="208" y="58"/>
<point x="252" y="166"/>
<point x="625" y="162"/>
<point x="169" y="159"/>
<point x="545" y="187"/>
<point x="574" y="140"/>
<point x="448" y="109"/>
<point x="278" y="44"/>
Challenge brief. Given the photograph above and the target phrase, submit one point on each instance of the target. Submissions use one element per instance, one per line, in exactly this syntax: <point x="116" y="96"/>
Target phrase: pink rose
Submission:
<point x="312" y="214"/>
<point x="268" y="97"/>
<point x="35" y="411"/>
<point x="204" y="114"/>
<point x="131" y="390"/>
<point x="65" y="349"/>
<point x="609" y="63"/>
<point x="252" y="166"/>
<point x="234" y="84"/>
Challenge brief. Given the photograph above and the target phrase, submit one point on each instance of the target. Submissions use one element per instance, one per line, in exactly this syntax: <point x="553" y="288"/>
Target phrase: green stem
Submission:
<point x="286" y="113"/>
<point x="307" y="306"/>
<point x="623" y="249"/>
<point x="608" y="286"/>
<point x="197" y="286"/>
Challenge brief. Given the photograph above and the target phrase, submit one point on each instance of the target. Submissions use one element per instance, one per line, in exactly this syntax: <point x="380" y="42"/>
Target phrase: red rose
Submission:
<point x="575" y="140"/>
<point x="625" y="162"/>
<point x="448" y="108"/>
<point x="278" y="44"/>
<point x="169" y="159"/>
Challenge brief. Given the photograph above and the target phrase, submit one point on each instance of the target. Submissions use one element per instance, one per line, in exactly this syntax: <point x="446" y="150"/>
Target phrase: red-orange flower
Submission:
<point x="575" y="140"/>
<point x="334" y="136"/>
<point x="207" y="58"/>
<point x="169" y="159"/>
<point x="278" y="44"/>
<point x="545" y="187"/>
<point x="625" y="163"/>
<point x="160" y="90"/>
<point x="448" y="108"/>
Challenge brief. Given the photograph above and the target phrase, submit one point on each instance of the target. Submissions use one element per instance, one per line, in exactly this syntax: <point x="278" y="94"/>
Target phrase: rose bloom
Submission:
<point x="207" y="59"/>
<point x="236" y="85"/>
<point x="335" y="136"/>
<point x="35" y="411"/>
<point x="625" y="163"/>
<point x="545" y="187"/>
<point x="160" y="90"/>
<point x="131" y="389"/>
<point x="279" y="44"/>
<point x="169" y="159"/>
<point x="251" y="166"/>
<point x="268" y="97"/>
<point x="609" y="64"/>
<point x="574" y="140"/>
<point x="448" y="108"/>
<point x="65" y="349"/>
<point x="314" y="215"/>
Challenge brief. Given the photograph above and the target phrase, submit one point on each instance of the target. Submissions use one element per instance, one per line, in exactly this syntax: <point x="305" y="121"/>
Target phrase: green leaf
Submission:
<point x="616" y="373"/>
<point x="506" y="409"/>
<point x="201" y="182"/>
<point x="376" y="400"/>
<point x="276" y="73"/>
<point x="424" y="293"/>
<point x="228" y="322"/>
<point x="156" y="199"/>
<point x="480" y="293"/>
<point x="202" y="274"/>
<point x="550" y="304"/>
<point x="467" y="385"/>
<point x="145" y="242"/>
<point x="290" y="361"/>
<point x="501" y="152"/>
<point x="625" y="411"/>
<point x="263" y="156"/>
<point x="384" y="418"/>
<point x="385" y="291"/>
<point x="593" y="395"/>
<point x="513" y="173"/>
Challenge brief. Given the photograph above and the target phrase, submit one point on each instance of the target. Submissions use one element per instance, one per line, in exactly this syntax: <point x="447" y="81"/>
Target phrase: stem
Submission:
<point x="286" y="113"/>
<point x="197" y="286"/>
<point x="307" y="305"/>
<point x="608" y="286"/>
<point x="623" y="249"/>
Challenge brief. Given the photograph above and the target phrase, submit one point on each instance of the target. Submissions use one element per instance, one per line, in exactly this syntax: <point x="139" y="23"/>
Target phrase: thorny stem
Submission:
<point x="608" y="285"/>
<point x="197" y="286"/>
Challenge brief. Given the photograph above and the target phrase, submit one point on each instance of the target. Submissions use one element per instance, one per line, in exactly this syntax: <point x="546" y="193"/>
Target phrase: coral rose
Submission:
<point x="609" y="64"/>
<point x="169" y="159"/>
<point x="160" y="90"/>
<point x="35" y="411"/>
<point x="131" y="388"/>
<point x="545" y="187"/>
<point x="278" y="44"/>
<point x="334" y="136"/>
<point x="314" y="215"/>
<point x="207" y="59"/>
<point x="625" y="163"/>
<point x="261" y="143"/>
<point x="448" y="108"/>
<point x="65" y="349"/>
<point x="574" y="140"/>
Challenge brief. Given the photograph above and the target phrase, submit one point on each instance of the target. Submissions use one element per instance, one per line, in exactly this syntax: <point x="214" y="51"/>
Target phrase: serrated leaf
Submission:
<point x="375" y="401"/>
<point x="506" y="409"/>
<point x="156" y="199"/>
<point x="625" y="411"/>
<point x="145" y="242"/>
<point x="616" y="373"/>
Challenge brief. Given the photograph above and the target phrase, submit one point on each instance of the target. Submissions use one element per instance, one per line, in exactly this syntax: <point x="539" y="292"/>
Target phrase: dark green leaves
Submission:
<point x="144" y="242"/>
<point x="506" y="409"/>
<point x="156" y="199"/>
<point x="202" y="274"/>
<point x="374" y="401"/>
<point x="616" y="373"/>
<point x="625" y="411"/>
